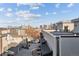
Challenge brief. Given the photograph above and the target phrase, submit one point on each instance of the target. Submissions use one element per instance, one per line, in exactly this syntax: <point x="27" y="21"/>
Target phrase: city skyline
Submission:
<point x="35" y="14"/>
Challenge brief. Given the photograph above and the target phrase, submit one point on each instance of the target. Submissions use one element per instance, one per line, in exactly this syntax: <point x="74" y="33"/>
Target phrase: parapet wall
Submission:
<point x="51" y="40"/>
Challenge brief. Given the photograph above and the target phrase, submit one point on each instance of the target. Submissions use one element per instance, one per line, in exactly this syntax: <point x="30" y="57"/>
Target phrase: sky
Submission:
<point x="35" y="14"/>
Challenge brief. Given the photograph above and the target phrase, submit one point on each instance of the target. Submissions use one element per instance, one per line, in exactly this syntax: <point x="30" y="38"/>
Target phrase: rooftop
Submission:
<point x="75" y="20"/>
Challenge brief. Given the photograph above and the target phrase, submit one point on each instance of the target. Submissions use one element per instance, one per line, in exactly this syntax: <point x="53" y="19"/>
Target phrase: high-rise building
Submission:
<point x="44" y="26"/>
<point x="41" y="27"/>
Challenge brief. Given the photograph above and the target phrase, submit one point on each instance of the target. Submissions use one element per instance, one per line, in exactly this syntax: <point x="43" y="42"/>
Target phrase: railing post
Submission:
<point x="57" y="41"/>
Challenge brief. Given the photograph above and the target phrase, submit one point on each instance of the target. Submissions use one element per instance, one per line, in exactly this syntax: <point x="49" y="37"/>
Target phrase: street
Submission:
<point x="27" y="52"/>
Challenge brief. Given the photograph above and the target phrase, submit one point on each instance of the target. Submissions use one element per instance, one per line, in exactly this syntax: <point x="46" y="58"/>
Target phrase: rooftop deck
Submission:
<point x="65" y="45"/>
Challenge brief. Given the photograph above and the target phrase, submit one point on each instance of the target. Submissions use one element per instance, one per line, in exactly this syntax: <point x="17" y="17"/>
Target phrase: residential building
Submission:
<point x="65" y="25"/>
<point x="10" y="36"/>
<point x="76" y="25"/>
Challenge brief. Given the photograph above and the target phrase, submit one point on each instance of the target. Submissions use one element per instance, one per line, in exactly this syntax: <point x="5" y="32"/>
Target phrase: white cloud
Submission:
<point x="34" y="7"/>
<point x="9" y="9"/>
<point x="10" y="21"/>
<point x="70" y="5"/>
<point x="27" y="15"/>
<point x="47" y="13"/>
<point x="8" y="14"/>
<point x="22" y="13"/>
<point x="1" y="9"/>
<point x="18" y="19"/>
<point x="30" y="4"/>
<point x="36" y="4"/>
<point x="57" y="5"/>
<point x="19" y="4"/>
<point x="54" y="13"/>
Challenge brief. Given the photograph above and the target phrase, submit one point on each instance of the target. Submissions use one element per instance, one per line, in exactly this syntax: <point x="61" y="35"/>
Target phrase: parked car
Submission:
<point x="25" y="46"/>
<point x="10" y="53"/>
<point x="36" y="52"/>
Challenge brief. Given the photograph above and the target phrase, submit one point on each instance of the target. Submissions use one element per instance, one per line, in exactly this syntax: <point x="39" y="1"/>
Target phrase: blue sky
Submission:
<point x="35" y="14"/>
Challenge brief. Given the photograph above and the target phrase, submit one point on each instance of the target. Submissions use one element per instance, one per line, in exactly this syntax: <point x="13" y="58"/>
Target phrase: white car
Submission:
<point x="10" y="53"/>
<point x="36" y="52"/>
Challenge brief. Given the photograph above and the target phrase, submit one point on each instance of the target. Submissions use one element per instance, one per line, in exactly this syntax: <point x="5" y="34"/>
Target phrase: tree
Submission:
<point x="32" y="32"/>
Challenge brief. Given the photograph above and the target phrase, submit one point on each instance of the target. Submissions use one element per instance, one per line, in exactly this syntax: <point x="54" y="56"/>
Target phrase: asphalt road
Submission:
<point x="27" y="52"/>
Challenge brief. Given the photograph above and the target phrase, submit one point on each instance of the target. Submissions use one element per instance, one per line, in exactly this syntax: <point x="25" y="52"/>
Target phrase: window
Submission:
<point x="66" y="28"/>
<point x="75" y="25"/>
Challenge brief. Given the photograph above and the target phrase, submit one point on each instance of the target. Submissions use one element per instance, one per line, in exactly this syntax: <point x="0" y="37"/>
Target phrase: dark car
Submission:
<point x="25" y="46"/>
